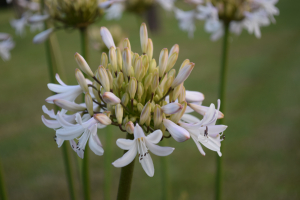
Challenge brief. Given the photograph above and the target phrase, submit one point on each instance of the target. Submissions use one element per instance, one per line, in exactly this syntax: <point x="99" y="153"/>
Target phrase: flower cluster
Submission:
<point x="6" y="44"/>
<point x="238" y="14"/>
<point x="67" y="14"/>
<point x="30" y="9"/>
<point x="132" y="92"/>
<point x="115" y="8"/>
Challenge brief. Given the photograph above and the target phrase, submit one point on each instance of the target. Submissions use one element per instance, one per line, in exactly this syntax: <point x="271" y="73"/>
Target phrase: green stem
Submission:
<point x="3" y="193"/>
<point x="66" y="154"/>
<point x="222" y="96"/>
<point x="107" y="163"/>
<point x="165" y="179"/>
<point x="85" y="164"/>
<point x="126" y="177"/>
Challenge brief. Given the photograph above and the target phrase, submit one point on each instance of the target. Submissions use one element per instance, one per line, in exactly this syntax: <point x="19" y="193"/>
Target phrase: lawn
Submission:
<point x="261" y="154"/>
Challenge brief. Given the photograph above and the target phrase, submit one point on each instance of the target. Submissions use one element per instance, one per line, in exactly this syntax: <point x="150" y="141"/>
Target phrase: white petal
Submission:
<point x="154" y="137"/>
<point x="107" y="37"/>
<point x="41" y="37"/>
<point x="62" y="121"/>
<point x="80" y="153"/>
<point x="177" y="132"/>
<point x="138" y="132"/>
<point x="172" y="108"/>
<point x="59" y="141"/>
<point x="94" y="142"/>
<point x="214" y="131"/>
<point x="59" y="80"/>
<point x="190" y="118"/>
<point x="158" y="150"/>
<point x="51" y="123"/>
<point x="62" y="89"/>
<point x="68" y="105"/>
<point x="50" y="113"/>
<point x="73" y="145"/>
<point x="127" y="158"/>
<point x="147" y="164"/>
<point x="70" y="132"/>
<point x="198" y="145"/>
<point x="69" y="96"/>
<point x="125" y="144"/>
<point x="193" y="96"/>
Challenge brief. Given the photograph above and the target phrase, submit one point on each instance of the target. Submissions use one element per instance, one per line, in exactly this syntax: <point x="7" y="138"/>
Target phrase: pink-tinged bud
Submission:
<point x="175" y="48"/>
<point x="83" y="65"/>
<point x="144" y="37"/>
<point x="183" y="74"/>
<point x="202" y="110"/>
<point x="171" y="108"/>
<point x="102" y="118"/>
<point x="43" y="36"/>
<point x="71" y="106"/>
<point x="111" y="98"/>
<point x="107" y="38"/>
<point x="193" y="96"/>
<point x="129" y="126"/>
<point x="177" y="132"/>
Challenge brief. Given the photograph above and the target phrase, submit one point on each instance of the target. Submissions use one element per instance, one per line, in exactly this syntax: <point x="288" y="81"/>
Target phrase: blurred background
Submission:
<point x="261" y="151"/>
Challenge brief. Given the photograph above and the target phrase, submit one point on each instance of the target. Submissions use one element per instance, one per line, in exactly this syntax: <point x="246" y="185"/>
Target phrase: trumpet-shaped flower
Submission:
<point x="141" y="144"/>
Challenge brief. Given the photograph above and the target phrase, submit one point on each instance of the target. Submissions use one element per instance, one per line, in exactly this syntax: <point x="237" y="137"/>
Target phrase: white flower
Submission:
<point x="269" y="7"/>
<point x="115" y="11"/>
<point x="19" y="25"/>
<point x="205" y="131"/>
<point x="178" y="133"/>
<point x="255" y="20"/>
<point x="166" y="4"/>
<point x="141" y="144"/>
<point x="66" y="92"/>
<point x="43" y="36"/>
<point x="5" y="47"/>
<point x="86" y="129"/>
<point x="186" y="20"/>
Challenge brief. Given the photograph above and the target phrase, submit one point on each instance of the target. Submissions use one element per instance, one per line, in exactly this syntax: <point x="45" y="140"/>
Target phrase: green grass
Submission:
<point x="261" y="154"/>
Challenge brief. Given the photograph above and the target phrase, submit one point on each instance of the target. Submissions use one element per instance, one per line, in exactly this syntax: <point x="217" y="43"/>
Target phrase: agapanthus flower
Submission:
<point x="249" y="15"/>
<point x="115" y="8"/>
<point x="6" y="44"/>
<point x="138" y="95"/>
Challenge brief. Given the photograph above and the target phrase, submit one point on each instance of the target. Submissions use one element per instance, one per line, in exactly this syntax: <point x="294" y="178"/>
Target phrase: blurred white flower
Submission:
<point x="141" y="144"/>
<point x="6" y="45"/>
<point x="186" y="20"/>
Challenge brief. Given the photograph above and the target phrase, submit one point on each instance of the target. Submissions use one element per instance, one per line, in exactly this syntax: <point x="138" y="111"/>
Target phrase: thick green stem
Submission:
<point x="85" y="164"/>
<point x="222" y="96"/>
<point x="126" y="177"/>
<point x="107" y="163"/>
<point x="3" y="193"/>
<point x="66" y="153"/>
<point x="165" y="179"/>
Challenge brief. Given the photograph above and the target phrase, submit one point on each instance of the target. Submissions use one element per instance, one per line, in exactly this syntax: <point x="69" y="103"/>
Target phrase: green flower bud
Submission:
<point x="110" y="77"/>
<point x="145" y="114"/>
<point x="181" y="96"/>
<point x="120" y="79"/>
<point x="171" y="61"/>
<point x="175" y="48"/>
<point x="140" y="107"/>
<point x="125" y="120"/>
<point x="104" y="60"/>
<point x="147" y="81"/>
<point x="113" y="59"/>
<point x="81" y="81"/>
<point x="184" y="63"/>
<point x="126" y="44"/>
<point x="155" y="82"/>
<point x="149" y="49"/>
<point x="119" y="113"/>
<point x="125" y="99"/>
<point x="126" y="61"/>
<point x="163" y="60"/>
<point x="140" y="90"/>
<point x="152" y="66"/>
<point x="138" y="69"/>
<point x="157" y="117"/>
<point x="129" y="127"/>
<point x="89" y="103"/>
<point x="132" y="86"/>
<point x="119" y="58"/>
<point x="144" y="37"/>
<point x="104" y="78"/>
<point x="83" y="65"/>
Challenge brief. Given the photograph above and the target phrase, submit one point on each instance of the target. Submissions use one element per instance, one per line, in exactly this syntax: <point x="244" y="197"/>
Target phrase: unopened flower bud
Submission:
<point x="107" y="37"/>
<point x="175" y="48"/>
<point x="177" y="116"/>
<point x="177" y="132"/>
<point x="104" y="79"/>
<point x="119" y="58"/>
<point x="129" y="127"/>
<point x="126" y="44"/>
<point x="144" y="37"/>
<point x="89" y="103"/>
<point x="183" y="74"/>
<point x="192" y="96"/>
<point x="155" y="82"/>
<point x="145" y="114"/>
<point x="83" y="65"/>
<point x="171" y="61"/>
<point x="125" y="99"/>
<point x="111" y="98"/>
<point x="138" y="69"/>
<point x="184" y="63"/>
<point x="43" y="36"/>
<point x="102" y="118"/>
<point x="104" y="60"/>
<point x="140" y="90"/>
<point x="147" y="81"/>
<point x="113" y="58"/>
<point x="132" y="86"/>
<point x="171" y="108"/>
<point x="163" y="61"/>
<point x="125" y="120"/>
<point x="95" y="92"/>
<point x="157" y="117"/>
<point x="182" y="94"/>
<point x="203" y="109"/>
<point x="140" y="107"/>
<point x="81" y="80"/>
<point x="67" y="105"/>
<point x="152" y="66"/>
<point x="126" y="61"/>
<point x="150" y="49"/>
<point x="110" y="77"/>
<point x="168" y="85"/>
<point x="119" y="113"/>
<point x="176" y="92"/>
<point x="120" y="79"/>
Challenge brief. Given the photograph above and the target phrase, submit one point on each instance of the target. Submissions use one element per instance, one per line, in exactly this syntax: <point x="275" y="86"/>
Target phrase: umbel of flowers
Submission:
<point x="115" y="8"/>
<point x="140" y="96"/>
<point x="67" y="14"/>
<point x="237" y="14"/>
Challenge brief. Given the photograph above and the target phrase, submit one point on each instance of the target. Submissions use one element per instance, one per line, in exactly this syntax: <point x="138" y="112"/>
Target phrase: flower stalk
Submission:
<point x="126" y="177"/>
<point x="107" y="163"/>
<point x="165" y="179"/>
<point x="222" y="96"/>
